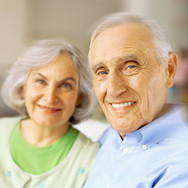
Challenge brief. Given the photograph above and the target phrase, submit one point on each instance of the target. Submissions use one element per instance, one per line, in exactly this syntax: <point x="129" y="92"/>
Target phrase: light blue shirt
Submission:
<point x="154" y="156"/>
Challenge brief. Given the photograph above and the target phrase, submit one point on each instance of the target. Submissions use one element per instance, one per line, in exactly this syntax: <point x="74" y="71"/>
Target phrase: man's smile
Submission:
<point x="122" y="105"/>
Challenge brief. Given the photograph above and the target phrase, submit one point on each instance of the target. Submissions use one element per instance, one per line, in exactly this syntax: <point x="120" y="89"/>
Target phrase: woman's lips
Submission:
<point x="48" y="109"/>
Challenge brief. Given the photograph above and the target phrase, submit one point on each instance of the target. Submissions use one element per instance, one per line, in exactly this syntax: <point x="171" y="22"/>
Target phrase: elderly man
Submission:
<point x="147" y="143"/>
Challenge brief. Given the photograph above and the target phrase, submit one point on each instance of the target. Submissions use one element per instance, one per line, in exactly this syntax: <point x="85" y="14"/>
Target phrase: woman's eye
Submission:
<point x="42" y="82"/>
<point x="66" y="85"/>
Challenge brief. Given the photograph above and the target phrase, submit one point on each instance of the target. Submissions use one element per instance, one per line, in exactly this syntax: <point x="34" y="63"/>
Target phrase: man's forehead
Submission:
<point x="130" y="39"/>
<point x="137" y="29"/>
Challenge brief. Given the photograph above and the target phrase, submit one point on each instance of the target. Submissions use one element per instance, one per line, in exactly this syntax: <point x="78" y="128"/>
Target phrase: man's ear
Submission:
<point x="171" y="67"/>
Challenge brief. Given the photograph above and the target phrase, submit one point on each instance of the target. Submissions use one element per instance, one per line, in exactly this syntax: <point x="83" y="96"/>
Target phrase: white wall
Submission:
<point x="67" y="18"/>
<point x="13" y="32"/>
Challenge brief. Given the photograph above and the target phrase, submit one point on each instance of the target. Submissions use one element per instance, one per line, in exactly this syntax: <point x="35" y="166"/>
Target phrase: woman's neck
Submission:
<point x="39" y="135"/>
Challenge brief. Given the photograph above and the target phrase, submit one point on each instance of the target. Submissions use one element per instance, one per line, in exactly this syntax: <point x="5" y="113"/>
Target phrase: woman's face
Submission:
<point x="51" y="92"/>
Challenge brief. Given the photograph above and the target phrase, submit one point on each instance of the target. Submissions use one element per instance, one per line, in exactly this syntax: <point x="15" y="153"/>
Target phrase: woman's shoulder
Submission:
<point x="86" y="145"/>
<point x="86" y="141"/>
<point x="84" y="150"/>
<point x="8" y="122"/>
<point x="10" y="119"/>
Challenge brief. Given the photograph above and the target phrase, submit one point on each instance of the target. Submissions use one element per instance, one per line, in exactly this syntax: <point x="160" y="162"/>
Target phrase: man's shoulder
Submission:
<point x="108" y="134"/>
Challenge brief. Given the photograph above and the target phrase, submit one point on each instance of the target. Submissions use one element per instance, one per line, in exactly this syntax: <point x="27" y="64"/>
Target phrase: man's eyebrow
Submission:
<point x="97" y="66"/>
<point x="131" y="57"/>
<point x="61" y="81"/>
<point x="122" y="59"/>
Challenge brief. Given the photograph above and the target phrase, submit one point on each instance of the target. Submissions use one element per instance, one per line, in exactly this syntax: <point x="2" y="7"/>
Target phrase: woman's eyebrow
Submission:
<point x="39" y="74"/>
<point x="63" y="80"/>
<point x="67" y="79"/>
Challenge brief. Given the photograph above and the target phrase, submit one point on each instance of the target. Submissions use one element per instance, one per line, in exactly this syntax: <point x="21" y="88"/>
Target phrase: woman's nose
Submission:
<point x="50" y="95"/>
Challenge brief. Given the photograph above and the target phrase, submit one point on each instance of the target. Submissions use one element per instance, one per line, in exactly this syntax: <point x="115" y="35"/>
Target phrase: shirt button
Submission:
<point x="81" y="170"/>
<point x="8" y="173"/>
<point x="41" y="185"/>
<point x="144" y="146"/>
<point x="125" y="150"/>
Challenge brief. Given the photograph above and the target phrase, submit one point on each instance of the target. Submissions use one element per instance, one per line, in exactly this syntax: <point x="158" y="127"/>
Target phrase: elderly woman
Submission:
<point x="50" y="87"/>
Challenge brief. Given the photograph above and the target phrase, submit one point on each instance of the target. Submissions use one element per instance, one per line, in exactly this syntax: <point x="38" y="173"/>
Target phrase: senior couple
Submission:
<point x="132" y="65"/>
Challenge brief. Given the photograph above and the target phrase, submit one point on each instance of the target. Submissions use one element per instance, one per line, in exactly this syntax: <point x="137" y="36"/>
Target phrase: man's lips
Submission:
<point x="122" y="105"/>
<point x="48" y="109"/>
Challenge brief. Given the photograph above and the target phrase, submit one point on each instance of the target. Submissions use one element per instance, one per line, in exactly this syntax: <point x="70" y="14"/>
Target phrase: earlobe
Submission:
<point x="22" y="92"/>
<point x="171" y="69"/>
<point x="79" y="100"/>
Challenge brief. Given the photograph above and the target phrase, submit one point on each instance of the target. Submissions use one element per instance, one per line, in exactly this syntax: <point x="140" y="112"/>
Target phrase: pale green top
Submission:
<point x="37" y="160"/>
<point x="71" y="172"/>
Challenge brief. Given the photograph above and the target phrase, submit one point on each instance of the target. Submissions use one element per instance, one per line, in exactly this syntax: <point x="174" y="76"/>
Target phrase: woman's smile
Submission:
<point x="48" y="109"/>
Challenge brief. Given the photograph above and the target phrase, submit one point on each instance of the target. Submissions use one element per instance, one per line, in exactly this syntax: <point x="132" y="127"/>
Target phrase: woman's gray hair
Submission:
<point x="40" y="54"/>
<point x="163" y="47"/>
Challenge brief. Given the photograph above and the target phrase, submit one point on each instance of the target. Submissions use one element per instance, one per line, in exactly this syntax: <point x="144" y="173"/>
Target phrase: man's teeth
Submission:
<point x="121" y="105"/>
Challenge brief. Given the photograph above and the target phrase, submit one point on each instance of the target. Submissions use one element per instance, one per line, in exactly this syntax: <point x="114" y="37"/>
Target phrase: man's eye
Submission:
<point x="102" y="73"/>
<point x="131" y="67"/>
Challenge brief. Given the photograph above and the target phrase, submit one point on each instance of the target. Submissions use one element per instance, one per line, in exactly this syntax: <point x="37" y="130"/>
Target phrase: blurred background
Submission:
<point x="24" y="21"/>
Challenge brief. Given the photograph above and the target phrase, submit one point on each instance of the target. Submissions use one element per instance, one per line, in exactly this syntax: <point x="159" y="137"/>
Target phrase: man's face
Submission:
<point x="129" y="81"/>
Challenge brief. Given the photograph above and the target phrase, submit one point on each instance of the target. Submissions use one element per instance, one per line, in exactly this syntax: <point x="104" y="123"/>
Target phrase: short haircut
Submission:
<point x="163" y="47"/>
<point x="39" y="54"/>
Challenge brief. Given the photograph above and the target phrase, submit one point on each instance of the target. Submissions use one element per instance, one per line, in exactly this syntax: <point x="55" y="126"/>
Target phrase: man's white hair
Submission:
<point x="163" y="47"/>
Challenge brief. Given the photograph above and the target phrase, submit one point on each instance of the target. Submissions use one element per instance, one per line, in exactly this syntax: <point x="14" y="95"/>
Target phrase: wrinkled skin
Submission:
<point x="129" y="80"/>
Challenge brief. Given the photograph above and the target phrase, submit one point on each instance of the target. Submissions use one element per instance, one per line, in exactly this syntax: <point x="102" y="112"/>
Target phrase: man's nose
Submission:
<point x="116" y="84"/>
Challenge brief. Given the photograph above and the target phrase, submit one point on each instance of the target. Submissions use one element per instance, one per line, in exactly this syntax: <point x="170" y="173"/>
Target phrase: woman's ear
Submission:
<point x="79" y="100"/>
<point x="22" y="92"/>
<point x="171" y="67"/>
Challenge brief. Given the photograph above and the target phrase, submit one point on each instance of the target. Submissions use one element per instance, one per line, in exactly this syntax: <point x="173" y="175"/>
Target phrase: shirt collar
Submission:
<point x="155" y="131"/>
<point x="162" y="127"/>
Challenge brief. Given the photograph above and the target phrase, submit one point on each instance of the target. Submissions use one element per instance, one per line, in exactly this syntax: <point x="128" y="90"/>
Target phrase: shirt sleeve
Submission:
<point x="173" y="176"/>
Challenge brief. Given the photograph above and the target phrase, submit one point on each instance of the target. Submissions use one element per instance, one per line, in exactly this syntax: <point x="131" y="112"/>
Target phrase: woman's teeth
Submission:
<point x="48" y="108"/>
